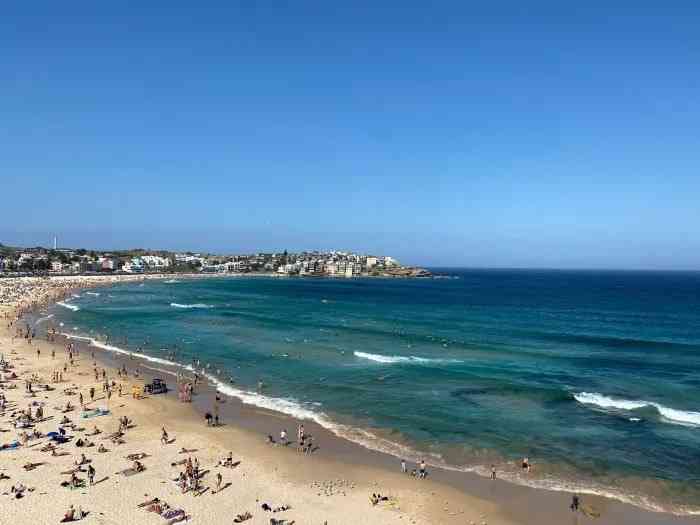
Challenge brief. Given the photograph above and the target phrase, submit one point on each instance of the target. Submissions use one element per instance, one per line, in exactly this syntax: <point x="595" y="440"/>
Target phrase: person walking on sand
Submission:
<point x="493" y="472"/>
<point x="91" y="474"/>
<point x="218" y="481"/>
<point x="574" y="503"/>
<point x="164" y="437"/>
<point x="403" y="466"/>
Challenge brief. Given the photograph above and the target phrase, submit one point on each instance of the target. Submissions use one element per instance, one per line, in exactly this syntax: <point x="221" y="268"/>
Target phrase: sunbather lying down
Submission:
<point x="273" y="521"/>
<point x="240" y="518"/>
<point x="376" y="498"/>
<point x="268" y="508"/>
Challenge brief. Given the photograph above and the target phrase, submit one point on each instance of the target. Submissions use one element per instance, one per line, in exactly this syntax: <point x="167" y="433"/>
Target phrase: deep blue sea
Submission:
<point x="595" y="376"/>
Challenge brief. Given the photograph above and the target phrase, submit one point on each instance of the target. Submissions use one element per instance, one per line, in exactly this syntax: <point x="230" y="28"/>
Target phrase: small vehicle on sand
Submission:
<point x="157" y="386"/>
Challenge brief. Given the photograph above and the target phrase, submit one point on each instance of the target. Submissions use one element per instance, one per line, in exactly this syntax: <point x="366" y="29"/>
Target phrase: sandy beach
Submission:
<point x="332" y="485"/>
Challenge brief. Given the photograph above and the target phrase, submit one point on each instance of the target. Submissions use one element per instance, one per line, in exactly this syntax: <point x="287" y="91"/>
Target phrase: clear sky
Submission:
<point x="504" y="133"/>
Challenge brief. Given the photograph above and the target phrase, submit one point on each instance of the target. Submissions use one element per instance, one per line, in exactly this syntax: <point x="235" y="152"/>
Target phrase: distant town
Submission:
<point x="69" y="261"/>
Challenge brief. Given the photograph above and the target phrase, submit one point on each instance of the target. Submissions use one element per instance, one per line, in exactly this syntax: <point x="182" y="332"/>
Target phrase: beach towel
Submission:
<point x="177" y="519"/>
<point x="172" y="513"/>
<point x="94" y="413"/>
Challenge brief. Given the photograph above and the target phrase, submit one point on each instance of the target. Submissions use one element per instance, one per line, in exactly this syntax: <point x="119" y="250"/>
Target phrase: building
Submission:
<point x="107" y="265"/>
<point x="155" y="262"/>
<point x="135" y="265"/>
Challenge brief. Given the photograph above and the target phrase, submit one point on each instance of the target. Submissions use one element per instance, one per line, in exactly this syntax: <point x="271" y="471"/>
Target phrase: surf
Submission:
<point x="393" y="359"/>
<point x="69" y="306"/>
<point x="667" y="414"/>
<point x="196" y="305"/>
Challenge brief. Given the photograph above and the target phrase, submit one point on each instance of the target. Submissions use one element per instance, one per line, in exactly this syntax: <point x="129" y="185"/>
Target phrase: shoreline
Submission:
<point x="504" y="500"/>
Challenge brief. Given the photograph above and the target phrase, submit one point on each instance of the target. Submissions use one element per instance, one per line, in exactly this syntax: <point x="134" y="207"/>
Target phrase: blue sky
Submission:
<point x="526" y="134"/>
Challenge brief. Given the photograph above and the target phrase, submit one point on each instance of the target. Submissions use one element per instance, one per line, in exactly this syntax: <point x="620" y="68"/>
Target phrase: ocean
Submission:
<point x="595" y="376"/>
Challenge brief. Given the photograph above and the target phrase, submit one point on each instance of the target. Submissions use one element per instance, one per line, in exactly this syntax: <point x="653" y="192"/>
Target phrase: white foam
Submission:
<point x="75" y="295"/>
<point x="680" y="417"/>
<point x="43" y="319"/>
<point x="602" y="401"/>
<point x="69" y="306"/>
<point x="196" y="305"/>
<point x="92" y="293"/>
<point x="669" y="415"/>
<point x="117" y="350"/>
<point x="171" y="281"/>
<point x="392" y="359"/>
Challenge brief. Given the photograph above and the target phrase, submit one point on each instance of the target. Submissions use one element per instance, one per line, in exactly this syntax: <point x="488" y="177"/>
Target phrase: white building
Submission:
<point x="155" y="261"/>
<point x="135" y="265"/>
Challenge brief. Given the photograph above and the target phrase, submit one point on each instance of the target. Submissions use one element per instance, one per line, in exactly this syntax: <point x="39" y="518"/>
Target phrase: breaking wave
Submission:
<point x="69" y="306"/>
<point x="669" y="415"/>
<point x="393" y="359"/>
<point x="196" y="305"/>
<point x="43" y="319"/>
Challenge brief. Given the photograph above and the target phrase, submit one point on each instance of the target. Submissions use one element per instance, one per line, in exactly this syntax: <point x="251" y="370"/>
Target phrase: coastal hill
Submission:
<point x="40" y="260"/>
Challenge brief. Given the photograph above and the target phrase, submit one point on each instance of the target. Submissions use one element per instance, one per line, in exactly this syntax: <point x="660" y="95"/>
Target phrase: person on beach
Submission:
<point x="574" y="503"/>
<point x="493" y="472"/>
<point x="308" y="444"/>
<point x="164" y="436"/>
<point x="283" y="437"/>
<point x="526" y="464"/>
<point x="219" y="479"/>
<point x="404" y="470"/>
<point x="91" y="474"/>
<point x="422" y="472"/>
<point x="69" y="515"/>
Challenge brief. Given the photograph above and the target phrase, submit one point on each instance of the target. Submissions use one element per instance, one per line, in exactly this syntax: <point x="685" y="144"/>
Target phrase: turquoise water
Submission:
<point x="593" y="375"/>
